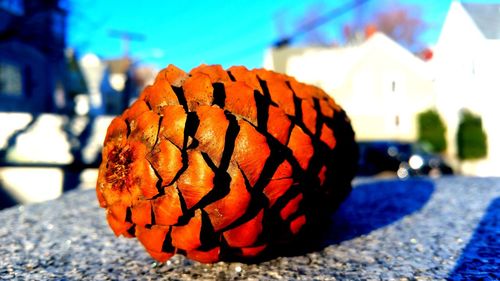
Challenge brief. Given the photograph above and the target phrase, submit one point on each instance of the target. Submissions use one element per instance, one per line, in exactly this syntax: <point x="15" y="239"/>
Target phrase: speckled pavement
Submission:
<point x="417" y="229"/>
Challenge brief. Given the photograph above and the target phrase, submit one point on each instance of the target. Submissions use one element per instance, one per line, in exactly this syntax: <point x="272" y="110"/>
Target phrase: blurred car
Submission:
<point x="405" y="159"/>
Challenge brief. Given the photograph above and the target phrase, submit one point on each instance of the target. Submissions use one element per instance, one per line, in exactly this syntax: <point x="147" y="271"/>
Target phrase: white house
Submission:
<point x="466" y="64"/>
<point x="381" y="85"/>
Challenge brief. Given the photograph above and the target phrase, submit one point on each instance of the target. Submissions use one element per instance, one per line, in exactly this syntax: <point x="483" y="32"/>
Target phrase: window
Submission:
<point x="11" y="81"/>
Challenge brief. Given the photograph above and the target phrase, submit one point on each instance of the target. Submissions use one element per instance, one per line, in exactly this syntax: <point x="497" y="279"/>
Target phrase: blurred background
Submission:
<point x="417" y="78"/>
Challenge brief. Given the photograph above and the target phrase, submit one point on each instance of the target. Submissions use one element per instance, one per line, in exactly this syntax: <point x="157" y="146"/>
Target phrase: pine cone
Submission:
<point x="217" y="164"/>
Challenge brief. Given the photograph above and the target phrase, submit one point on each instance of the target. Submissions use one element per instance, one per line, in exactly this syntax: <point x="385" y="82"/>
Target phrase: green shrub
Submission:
<point x="471" y="138"/>
<point x="432" y="130"/>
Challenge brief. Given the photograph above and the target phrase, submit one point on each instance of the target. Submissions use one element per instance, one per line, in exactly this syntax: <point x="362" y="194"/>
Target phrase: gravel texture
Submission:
<point x="417" y="229"/>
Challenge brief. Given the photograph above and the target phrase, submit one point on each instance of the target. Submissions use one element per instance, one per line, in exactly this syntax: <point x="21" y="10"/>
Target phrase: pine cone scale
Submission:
<point x="220" y="163"/>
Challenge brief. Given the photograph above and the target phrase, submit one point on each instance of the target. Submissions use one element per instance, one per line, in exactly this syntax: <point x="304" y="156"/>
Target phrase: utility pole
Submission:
<point x="126" y="37"/>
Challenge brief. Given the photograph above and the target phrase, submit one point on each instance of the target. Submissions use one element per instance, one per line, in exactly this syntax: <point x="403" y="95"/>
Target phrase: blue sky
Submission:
<point x="187" y="33"/>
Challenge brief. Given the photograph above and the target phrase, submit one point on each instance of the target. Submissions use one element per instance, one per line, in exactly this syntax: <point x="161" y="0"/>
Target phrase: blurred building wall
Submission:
<point x="32" y="42"/>
<point x="467" y="65"/>
<point x="381" y="85"/>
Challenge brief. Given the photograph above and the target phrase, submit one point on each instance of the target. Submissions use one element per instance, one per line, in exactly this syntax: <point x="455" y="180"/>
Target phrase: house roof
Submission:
<point x="486" y="17"/>
<point x="338" y="63"/>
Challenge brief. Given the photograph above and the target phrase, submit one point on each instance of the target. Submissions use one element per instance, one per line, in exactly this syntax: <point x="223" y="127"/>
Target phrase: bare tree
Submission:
<point x="305" y="28"/>
<point x="403" y="23"/>
<point x="317" y="36"/>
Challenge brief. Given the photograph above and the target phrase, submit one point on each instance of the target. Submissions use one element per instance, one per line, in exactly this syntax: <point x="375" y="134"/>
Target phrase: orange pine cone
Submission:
<point x="216" y="164"/>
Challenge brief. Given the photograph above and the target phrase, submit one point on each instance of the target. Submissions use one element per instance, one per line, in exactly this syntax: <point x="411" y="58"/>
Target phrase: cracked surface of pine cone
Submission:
<point x="216" y="164"/>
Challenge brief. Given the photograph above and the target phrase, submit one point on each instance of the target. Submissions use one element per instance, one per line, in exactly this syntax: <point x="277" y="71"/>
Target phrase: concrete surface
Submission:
<point x="418" y="229"/>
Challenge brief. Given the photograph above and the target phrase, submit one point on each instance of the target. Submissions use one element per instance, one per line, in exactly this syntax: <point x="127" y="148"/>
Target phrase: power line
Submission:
<point x="320" y="21"/>
<point x="336" y="12"/>
<point x="237" y="54"/>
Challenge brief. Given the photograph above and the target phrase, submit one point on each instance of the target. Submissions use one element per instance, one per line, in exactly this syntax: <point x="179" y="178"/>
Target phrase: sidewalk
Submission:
<point x="418" y="229"/>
